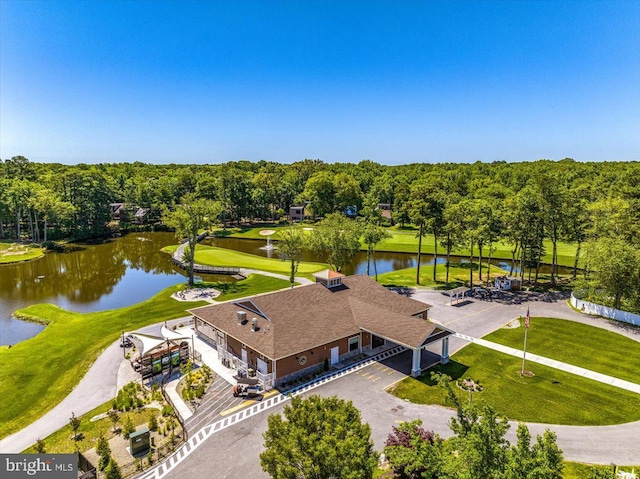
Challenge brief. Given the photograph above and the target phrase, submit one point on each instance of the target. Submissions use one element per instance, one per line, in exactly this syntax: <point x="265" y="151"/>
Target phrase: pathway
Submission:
<point x="534" y="358"/>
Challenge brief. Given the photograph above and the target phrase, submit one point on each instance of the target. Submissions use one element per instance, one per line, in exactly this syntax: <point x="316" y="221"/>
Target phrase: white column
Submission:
<point x="444" y="358"/>
<point x="415" y="363"/>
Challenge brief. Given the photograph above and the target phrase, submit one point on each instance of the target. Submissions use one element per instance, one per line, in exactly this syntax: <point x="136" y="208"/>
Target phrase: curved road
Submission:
<point x="602" y="444"/>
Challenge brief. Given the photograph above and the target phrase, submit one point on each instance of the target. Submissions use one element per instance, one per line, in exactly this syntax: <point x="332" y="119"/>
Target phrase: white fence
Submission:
<point x="605" y="311"/>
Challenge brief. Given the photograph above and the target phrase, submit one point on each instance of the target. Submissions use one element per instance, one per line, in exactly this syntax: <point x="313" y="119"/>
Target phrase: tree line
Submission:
<point x="595" y="206"/>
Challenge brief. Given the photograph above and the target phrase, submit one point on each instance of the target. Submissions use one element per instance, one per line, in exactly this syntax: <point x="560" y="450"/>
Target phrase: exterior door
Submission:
<point x="262" y="366"/>
<point x="376" y="341"/>
<point x="335" y="353"/>
<point x="244" y="355"/>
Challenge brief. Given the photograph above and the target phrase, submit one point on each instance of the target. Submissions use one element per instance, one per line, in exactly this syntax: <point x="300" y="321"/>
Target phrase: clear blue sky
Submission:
<point x="394" y="82"/>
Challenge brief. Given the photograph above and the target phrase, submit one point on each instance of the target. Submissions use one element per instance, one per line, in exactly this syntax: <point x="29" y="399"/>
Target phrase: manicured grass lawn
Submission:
<point x="254" y="284"/>
<point x="458" y="276"/>
<point x="577" y="470"/>
<point x="405" y="241"/>
<point x="62" y="441"/>
<point x="38" y="373"/>
<point x="551" y="396"/>
<point x="579" y="344"/>
<point x="214" y="256"/>
<point x="16" y="252"/>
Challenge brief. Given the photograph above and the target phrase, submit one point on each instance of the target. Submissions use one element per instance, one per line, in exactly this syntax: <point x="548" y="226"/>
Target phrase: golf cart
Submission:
<point x="246" y="387"/>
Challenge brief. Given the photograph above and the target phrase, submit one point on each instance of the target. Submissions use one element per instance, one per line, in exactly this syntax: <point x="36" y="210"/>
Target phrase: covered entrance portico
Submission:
<point x="418" y="344"/>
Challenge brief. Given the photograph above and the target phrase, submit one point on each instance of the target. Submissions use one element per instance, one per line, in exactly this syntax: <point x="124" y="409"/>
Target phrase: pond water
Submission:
<point x="91" y="277"/>
<point x="385" y="261"/>
<point x="130" y="269"/>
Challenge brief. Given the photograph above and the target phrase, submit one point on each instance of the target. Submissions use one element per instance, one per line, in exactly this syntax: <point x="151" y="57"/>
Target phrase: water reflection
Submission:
<point x="92" y="277"/>
<point x="385" y="261"/>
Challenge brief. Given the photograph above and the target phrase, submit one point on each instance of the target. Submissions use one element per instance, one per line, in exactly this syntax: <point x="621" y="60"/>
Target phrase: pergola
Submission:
<point x="457" y="294"/>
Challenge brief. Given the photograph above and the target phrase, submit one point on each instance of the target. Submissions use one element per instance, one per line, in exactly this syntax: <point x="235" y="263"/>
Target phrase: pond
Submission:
<point x="130" y="269"/>
<point x="385" y="261"/>
<point x="91" y="277"/>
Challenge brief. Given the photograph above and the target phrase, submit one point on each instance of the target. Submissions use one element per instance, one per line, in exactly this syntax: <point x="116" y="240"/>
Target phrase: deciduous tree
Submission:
<point x="337" y="237"/>
<point x="319" y="438"/>
<point x="291" y="246"/>
<point x="187" y="219"/>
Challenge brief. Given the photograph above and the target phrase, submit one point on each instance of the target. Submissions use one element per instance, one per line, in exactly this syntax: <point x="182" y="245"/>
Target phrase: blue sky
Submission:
<point x="393" y="82"/>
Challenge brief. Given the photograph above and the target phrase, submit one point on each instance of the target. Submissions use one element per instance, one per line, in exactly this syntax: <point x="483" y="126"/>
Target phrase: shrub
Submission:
<point x="40" y="446"/>
<point x="104" y="461"/>
<point x="153" y="423"/>
<point x="128" y="427"/>
<point x="112" y="471"/>
<point x="167" y="410"/>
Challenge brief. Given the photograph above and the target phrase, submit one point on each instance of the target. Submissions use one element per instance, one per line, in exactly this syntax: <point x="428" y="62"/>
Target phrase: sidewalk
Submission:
<point x="178" y="402"/>
<point x="603" y="378"/>
<point x="209" y="356"/>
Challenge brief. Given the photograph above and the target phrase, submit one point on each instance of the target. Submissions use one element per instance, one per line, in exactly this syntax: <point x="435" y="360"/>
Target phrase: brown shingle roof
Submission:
<point x="400" y="328"/>
<point x="310" y="316"/>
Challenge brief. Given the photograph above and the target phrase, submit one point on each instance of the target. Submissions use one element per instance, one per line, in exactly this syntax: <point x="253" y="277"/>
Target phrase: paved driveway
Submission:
<point x="234" y="451"/>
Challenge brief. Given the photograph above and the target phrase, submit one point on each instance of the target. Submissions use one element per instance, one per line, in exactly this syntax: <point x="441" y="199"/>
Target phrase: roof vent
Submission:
<point x="242" y="317"/>
<point x="254" y="324"/>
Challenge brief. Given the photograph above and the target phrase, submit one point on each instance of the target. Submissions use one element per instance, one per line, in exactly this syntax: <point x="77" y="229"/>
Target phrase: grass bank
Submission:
<point x="38" y="373"/>
<point x="551" y="396"/>
<point x="403" y="240"/>
<point x="215" y="256"/>
<point x="11" y="252"/>
<point x="458" y="276"/>
<point x="592" y="348"/>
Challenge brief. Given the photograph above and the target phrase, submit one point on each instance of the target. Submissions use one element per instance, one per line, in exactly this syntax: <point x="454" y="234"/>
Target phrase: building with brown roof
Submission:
<point x="294" y="332"/>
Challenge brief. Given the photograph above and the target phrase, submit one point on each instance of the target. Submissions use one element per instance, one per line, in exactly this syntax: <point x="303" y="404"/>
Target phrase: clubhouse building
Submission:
<point x="291" y="333"/>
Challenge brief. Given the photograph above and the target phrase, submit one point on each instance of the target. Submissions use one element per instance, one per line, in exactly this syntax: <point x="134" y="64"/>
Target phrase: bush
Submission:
<point x="104" y="461"/>
<point x="153" y="423"/>
<point x="167" y="410"/>
<point x="40" y="446"/>
<point x="128" y="427"/>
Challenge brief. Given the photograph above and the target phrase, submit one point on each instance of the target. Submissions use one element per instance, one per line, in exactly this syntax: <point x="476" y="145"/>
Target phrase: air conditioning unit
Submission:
<point x="242" y="317"/>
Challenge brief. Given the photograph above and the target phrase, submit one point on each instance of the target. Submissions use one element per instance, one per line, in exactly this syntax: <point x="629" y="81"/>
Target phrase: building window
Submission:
<point x="354" y="343"/>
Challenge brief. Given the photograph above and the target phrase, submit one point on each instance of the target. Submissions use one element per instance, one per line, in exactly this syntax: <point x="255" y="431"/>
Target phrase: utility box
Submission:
<point x="139" y="441"/>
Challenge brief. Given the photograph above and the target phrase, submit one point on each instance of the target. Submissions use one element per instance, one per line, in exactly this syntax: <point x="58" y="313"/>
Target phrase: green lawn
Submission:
<point x="551" y="396"/>
<point x="592" y="348"/>
<point x="16" y="252"/>
<point x="404" y="240"/>
<point x="254" y="284"/>
<point x="38" y="373"/>
<point x="214" y="256"/>
<point x="577" y="470"/>
<point x="458" y="275"/>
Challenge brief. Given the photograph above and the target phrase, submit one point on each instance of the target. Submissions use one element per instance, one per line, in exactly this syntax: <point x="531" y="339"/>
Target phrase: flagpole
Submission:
<point x="525" y="351"/>
<point x="526" y="329"/>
